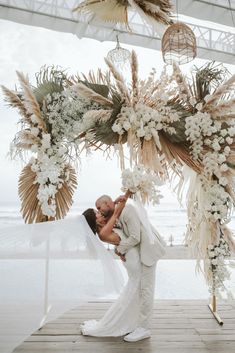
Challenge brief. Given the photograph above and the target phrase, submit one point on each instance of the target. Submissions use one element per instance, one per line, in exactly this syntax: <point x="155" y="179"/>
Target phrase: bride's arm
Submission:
<point x="106" y="233"/>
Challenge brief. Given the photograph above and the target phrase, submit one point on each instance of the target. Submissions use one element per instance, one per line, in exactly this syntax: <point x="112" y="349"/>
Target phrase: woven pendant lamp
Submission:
<point x="179" y="44"/>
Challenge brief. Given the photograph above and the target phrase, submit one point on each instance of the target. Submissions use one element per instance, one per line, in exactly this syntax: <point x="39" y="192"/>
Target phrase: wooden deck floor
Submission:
<point x="179" y="326"/>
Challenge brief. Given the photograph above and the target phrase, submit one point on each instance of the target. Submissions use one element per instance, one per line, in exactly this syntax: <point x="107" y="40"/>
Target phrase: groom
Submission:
<point x="150" y="252"/>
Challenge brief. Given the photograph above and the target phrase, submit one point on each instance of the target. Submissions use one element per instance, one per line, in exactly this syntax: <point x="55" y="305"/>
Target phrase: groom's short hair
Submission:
<point x="104" y="198"/>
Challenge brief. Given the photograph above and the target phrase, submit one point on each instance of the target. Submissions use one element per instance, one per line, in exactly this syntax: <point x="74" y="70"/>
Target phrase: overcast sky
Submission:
<point x="26" y="49"/>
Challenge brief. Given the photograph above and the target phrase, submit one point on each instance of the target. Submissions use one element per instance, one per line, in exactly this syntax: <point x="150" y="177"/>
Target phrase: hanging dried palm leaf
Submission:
<point x="117" y="10"/>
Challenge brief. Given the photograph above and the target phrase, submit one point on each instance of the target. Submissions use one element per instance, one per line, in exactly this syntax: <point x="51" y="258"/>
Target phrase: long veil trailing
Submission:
<point x="45" y="270"/>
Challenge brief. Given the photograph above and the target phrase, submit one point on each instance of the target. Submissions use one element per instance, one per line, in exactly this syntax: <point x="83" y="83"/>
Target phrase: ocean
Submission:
<point x="175" y="279"/>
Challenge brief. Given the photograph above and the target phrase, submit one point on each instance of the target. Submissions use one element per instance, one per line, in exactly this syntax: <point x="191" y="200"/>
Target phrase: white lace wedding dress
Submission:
<point x="122" y="316"/>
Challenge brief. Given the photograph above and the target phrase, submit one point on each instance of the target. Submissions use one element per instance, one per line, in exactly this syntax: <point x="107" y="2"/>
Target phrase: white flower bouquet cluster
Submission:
<point x="65" y="111"/>
<point x="218" y="203"/>
<point x="145" y="122"/>
<point x="217" y="255"/>
<point x="143" y="183"/>
<point x="50" y="168"/>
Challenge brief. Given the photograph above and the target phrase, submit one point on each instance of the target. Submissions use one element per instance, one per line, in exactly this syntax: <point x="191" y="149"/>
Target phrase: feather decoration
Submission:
<point x="88" y="93"/>
<point x="30" y="101"/>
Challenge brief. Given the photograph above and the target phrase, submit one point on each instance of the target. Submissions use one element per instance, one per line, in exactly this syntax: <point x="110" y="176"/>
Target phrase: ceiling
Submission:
<point x="215" y="42"/>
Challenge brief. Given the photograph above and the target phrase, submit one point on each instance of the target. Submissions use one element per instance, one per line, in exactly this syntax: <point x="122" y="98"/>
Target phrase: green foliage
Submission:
<point x="50" y="79"/>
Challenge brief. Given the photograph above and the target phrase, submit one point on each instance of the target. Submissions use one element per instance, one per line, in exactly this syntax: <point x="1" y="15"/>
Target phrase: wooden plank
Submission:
<point x="178" y="326"/>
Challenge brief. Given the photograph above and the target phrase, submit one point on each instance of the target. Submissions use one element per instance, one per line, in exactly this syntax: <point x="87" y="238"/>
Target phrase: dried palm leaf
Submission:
<point x="222" y="90"/>
<point x="207" y="78"/>
<point x="88" y="93"/>
<point x="28" y="191"/>
<point x="13" y="99"/>
<point x="157" y="10"/>
<point x="222" y="108"/>
<point x="107" y="11"/>
<point x="180" y="153"/>
<point x="117" y="10"/>
<point x="30" y="101"/>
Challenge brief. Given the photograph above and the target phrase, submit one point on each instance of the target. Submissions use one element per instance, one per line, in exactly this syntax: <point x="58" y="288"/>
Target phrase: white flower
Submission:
<point x="34" y="131"/>
<point x="141" y="181"/>
<point x="46" y="141"/>
<point x="199" y="106"/>
<point x="192" y="101"/>
<point x="229" y="140"/>
<point x="223" y="167"/>
<point x="223" y="181"/>
<point x="227" y="150"/>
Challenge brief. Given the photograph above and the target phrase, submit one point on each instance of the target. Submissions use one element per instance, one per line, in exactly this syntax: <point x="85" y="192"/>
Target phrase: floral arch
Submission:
<point x="173" y="127"/>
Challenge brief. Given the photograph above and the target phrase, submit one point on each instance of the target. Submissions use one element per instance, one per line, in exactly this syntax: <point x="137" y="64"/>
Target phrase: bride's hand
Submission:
<point x="118" y="208"/>
<point x="121" y="198"/>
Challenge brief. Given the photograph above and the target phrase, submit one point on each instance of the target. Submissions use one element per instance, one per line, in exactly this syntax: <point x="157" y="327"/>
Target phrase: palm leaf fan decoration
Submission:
<point x="28" y="190"/>
<point x="117" y="10"/>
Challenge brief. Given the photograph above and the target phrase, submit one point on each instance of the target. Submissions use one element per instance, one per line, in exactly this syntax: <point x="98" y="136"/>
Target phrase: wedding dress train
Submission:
<point x="122" y="317"/>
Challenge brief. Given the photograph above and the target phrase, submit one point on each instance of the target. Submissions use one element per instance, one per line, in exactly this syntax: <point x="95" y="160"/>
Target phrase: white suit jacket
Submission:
<point x="136" y="235"/>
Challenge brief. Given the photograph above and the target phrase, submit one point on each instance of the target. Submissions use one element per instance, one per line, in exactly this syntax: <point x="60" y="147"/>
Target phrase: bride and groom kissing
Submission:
<point x="140" y="247"/>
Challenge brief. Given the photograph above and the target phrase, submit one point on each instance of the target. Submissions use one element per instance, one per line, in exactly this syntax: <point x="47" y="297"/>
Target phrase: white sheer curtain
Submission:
<point x="45" y="270"/>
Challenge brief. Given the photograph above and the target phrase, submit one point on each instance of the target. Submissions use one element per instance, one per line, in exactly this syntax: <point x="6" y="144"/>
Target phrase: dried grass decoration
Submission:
<point x="116" y="11"/>
<point x="179" y="44"/>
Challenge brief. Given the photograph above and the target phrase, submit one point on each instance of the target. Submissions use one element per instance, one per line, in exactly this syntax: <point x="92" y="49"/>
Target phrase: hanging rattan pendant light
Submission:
<point x="179" y="44"/>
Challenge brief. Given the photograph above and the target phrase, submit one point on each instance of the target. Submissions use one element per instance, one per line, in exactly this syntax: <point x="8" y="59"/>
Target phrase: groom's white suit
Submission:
<point x="150" y="252"/>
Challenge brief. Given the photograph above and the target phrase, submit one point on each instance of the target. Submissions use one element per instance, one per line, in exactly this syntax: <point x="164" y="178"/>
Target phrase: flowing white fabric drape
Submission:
<point x="45" y="270"/>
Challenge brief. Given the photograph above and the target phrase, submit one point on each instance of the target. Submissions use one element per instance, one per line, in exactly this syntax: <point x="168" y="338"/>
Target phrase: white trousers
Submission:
<point x="147" y="287"/>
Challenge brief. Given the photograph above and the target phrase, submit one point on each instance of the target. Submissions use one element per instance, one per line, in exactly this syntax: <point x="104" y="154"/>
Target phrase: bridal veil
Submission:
<point x="47" y="269"/>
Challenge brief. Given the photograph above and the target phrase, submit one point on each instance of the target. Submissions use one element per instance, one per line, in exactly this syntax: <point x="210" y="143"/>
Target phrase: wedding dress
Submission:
<point x="47" y="269"/>
<point x="122" y="316"/>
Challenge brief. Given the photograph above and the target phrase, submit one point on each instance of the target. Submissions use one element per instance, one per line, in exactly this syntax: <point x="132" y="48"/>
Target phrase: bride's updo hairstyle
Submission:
<point x="90" y="216"/>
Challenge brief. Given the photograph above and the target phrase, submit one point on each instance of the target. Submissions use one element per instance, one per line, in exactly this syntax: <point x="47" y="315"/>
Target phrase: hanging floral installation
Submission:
<point x="174" y="127"/>
<point x="116" y="11"/>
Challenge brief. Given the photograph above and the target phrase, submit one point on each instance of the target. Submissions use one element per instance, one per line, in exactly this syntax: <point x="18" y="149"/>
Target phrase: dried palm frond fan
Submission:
<point x="30" y="205"/>
<point x="179" y="44"/>
<point x="117" y="10"/>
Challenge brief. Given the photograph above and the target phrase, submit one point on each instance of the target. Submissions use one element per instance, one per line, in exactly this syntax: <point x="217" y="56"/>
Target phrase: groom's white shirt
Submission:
<point x="137" y="234"/>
